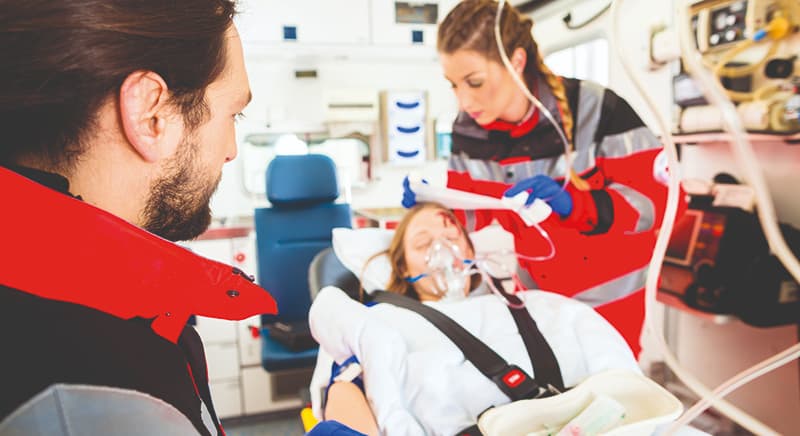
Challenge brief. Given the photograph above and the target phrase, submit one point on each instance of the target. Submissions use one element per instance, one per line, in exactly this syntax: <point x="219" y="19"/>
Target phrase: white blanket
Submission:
<point x="417" y="382"/>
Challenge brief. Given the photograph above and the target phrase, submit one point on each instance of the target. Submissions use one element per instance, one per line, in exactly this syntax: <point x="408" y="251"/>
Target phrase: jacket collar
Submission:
<point x="545" y="95"/>
<point x="516" y="130"/>
<point x="60" y="248"/>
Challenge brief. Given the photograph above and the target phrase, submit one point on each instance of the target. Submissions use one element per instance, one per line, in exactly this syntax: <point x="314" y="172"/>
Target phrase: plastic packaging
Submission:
<point x="603" y="413"/>
<point x="647" y="406"/>
<point x="455" y="199"/>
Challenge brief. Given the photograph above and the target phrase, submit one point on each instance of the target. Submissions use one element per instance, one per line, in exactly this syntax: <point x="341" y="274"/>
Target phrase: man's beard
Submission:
<point x="178" y="207"/>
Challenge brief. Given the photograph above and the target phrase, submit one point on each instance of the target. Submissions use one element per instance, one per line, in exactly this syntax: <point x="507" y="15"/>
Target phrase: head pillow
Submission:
<point x="354" y="247"/>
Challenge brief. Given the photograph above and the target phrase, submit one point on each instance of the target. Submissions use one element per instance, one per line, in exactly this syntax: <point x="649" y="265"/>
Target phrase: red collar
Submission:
<point x="516" y="130"/>
<point x="61" y="248"/>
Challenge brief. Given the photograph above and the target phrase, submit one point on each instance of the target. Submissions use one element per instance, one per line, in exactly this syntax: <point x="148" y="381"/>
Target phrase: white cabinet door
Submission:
<point x="314" y="21"/>
<point x="213" y="331"/>
<point x="256" y="390"/>
<point x="223" y="361"/>
<point x="227" y="397"/>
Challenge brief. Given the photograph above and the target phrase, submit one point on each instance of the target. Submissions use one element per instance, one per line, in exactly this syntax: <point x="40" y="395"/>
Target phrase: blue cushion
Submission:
<point x="294" y="181"/>
<point x="276" y="357"/>
<point x="286" y="242"/>
<point x="288" y="235"/>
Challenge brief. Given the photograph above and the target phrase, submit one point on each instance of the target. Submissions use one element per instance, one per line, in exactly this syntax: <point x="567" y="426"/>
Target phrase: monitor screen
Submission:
<point x="684" y="234"/>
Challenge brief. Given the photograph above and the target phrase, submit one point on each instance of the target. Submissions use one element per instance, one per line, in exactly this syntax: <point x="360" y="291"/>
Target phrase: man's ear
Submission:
<point x="519" y="59"/>
<point x="147" y="119"/>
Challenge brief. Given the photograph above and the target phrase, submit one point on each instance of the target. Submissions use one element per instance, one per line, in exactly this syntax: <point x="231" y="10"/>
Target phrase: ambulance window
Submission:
<point x="587" y="61"/>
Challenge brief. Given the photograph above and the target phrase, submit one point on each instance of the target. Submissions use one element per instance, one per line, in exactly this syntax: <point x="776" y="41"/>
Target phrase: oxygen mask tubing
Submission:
<point x="450" y="272"/>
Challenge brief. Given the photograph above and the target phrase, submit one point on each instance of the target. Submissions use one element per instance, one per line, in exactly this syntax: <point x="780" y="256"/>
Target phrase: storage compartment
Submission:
<point x="227" y="397"/>
<point x="408" y="23"/>
<point x="223" y="361"/>
<point x="286" y="385"/>
<point x="214" y="331"/>
<point x="304" y="21"/>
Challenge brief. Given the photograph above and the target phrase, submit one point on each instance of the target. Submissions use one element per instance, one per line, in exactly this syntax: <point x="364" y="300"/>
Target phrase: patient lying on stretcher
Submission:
<point x="415" y="380"/>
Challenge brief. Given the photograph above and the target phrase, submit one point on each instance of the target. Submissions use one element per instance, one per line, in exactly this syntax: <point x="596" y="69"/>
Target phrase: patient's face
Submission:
<point x="425" y="227"/>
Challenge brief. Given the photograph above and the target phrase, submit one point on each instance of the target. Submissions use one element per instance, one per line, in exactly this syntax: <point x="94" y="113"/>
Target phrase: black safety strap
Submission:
<point x="545" y="365"/>
<point x="511" y="379"/>
<point x="470" y="431"/>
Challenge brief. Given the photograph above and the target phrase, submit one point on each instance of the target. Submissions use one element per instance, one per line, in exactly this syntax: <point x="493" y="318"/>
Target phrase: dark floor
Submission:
<point x="282" y="424"/>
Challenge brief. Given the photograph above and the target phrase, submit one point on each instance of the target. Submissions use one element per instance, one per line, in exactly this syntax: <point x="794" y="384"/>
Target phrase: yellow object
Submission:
<point x="778" y="27"/>
<point x="308" y="419"/>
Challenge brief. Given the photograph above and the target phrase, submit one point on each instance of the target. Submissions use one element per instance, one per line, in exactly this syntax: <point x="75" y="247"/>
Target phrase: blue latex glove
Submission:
<point x="541" y="186"/>
<point x="409" y="197"/>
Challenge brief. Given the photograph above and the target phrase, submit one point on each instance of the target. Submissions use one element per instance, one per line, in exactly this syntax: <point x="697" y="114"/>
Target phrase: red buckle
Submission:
<point x="514" y="378"/>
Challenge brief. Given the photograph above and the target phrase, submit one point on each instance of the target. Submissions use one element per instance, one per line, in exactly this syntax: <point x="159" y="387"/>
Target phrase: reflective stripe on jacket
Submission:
<point x="603" y="247"/>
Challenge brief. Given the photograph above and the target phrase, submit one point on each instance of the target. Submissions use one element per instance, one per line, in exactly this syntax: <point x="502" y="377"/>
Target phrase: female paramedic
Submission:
<point x="604" y="223"/>
<point x="415" y="379"/>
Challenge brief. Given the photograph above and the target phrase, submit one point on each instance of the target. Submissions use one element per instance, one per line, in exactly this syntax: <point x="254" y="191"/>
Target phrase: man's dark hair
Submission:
<point x="61" y="60"/>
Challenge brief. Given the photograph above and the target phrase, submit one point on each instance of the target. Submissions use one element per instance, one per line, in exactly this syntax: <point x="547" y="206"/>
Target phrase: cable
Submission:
<point x="721" y="70"/>
<point x="740" y="97"/>
<point x="747" y="159"/>
<point x="568" y="18"/>
<point x="745" y="155"/>
<point x="655" y="329"/>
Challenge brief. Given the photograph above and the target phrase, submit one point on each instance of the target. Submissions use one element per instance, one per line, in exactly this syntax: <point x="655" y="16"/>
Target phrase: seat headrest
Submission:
<point x="301" y="180"/>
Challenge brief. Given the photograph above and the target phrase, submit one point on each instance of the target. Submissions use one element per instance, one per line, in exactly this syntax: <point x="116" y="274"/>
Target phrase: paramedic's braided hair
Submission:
<point x="470" y="26"/>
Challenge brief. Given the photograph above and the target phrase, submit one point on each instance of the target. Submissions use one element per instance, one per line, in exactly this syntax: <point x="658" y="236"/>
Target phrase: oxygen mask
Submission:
<point x="448" y="270"/>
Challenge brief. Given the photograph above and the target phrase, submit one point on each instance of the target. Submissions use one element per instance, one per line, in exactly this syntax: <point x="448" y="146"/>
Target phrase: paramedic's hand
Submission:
<point x="541" y="186"/>
<point x="409" y="197"/>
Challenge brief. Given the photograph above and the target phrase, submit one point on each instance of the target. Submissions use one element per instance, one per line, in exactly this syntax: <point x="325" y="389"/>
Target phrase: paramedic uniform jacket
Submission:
<point x="603" y="247"/>
<point x="87" y="299"/>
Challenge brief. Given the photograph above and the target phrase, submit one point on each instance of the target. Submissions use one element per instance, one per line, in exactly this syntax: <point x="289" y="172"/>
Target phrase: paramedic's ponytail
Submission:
<point x="559" y="92"/>
<point x="470" y="26"/>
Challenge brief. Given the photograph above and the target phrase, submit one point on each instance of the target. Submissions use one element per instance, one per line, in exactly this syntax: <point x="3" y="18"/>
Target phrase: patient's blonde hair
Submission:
<point x="397" y="253"/>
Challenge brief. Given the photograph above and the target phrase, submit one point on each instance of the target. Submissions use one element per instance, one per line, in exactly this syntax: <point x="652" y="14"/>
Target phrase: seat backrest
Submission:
<point x="327" y="270"/>
<point x="302" y="190"/>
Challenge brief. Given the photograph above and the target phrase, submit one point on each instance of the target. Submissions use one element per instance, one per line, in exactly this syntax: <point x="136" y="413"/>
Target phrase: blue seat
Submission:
<point x="302" y="190"/>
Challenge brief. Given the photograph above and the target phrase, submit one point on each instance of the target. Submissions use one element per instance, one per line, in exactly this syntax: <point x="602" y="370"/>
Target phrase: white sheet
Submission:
<point x="418" y="382"/>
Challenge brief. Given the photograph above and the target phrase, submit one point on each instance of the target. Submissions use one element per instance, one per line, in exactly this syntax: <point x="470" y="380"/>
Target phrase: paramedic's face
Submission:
<point x="484" y="88"/>
<point x="178" y="207"/>
<point x="424" y="228"/>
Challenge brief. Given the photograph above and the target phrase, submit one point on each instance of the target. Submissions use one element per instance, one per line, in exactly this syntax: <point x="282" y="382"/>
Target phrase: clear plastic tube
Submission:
<point x="746" y="376"/>
<point x="746" y="157"/>
<point x="654" y="328"/>
<point x="524" y="88"/>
